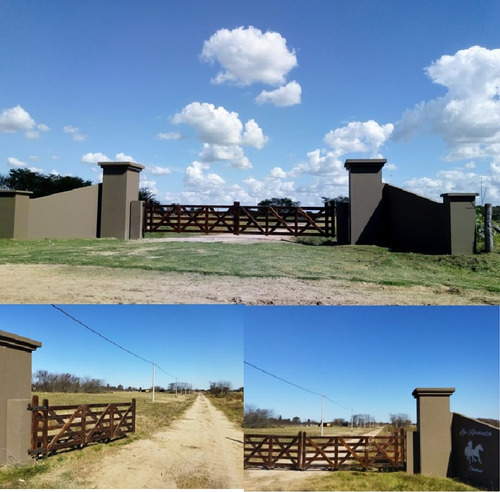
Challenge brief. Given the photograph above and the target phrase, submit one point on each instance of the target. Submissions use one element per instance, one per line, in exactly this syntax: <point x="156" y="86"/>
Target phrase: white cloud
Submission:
<point x="32" y="134"/>
<point x="158" y="170"/>
<point x="169" y="136"/>
<point x="468" y="116"/>
<point x="459" y="180"/>
<point x="287" y="95"/>
<point x="232" y="154"/>
<point x="222" y="133"/>
<point x="15" y="162"/>
<point x="121" y="157"/>
<point x="94" y="158"/>
<point x="15" y="119"/>
<point x="75" y="132"/>
<point x="196" y="179"/>
<point x="43" y="128"/>
<point x="359" y="136"/>
<point x="248" y="56"/>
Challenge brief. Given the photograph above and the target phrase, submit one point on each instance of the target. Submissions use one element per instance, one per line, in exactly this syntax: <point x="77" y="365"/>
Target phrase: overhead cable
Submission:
<point x="293" y="384"/>
<point x="108" y="340"/>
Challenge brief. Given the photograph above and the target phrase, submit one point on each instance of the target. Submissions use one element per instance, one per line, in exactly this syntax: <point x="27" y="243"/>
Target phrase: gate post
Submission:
<point x="236" y="218"/>
<point x="14" y="213"/>
<point x="120" y="187"/>
<point x="433" y="436"/>
<point x="366" y="224"/>
<point x="15" y="396"/>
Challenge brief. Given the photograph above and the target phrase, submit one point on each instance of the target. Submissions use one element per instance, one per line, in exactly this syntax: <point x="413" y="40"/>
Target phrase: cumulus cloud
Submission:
<point x="468" y="116"/>
<point x="287" y="95"/>
<point x="169" y="136"/>
<point x="196" y="178"/>
<point x="359" y="136"/>
<point x="94" y="158"/>
<point x="247" y="55"/>
<point x="158" y="170"/>
<point x="75" y="132"/>
<point x="222" y="133"/>
<point x="15" y="119"/>
<point x="15" y="162"/>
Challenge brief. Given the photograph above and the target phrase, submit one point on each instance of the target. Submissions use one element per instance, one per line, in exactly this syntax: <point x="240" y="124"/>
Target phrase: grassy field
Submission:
<point x="312" y="431"/>
<point x="150" y="417"/>
<point x="367" y="264"/>
<point x="359" y="480"/>
<point x="232" y="406"/>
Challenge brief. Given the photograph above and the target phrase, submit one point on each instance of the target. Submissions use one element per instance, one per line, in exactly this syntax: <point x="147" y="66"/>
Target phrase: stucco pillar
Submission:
<point x="461" y="215"/>
<point x="433" y="439"/>
<point x="15" y="394"/>
<point x="14" y="213"/>
<point x="120" y="187"/>
<point x="365" y="195"/>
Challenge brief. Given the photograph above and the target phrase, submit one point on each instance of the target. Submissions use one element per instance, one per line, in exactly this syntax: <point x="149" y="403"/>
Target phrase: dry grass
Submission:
<point x="312" y="431"/>
<point x="67" y="469"/>
<point x="231" y="404"/>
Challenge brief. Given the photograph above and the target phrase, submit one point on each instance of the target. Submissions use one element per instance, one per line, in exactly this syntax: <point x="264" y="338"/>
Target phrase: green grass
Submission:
<point x="345" y="480"/>
<point x="369" y="264"/>
<point x="232" y="406"/>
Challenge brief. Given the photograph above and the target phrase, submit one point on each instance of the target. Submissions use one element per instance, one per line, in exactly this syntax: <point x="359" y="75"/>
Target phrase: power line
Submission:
<point x="293" y="384"/>
<point x="109" y="340"/>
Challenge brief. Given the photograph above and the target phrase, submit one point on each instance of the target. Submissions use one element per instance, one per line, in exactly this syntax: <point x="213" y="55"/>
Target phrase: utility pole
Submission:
<point x="154" y="365"/>
<point x="176" y="387"/>
<point x="322" y="412"/>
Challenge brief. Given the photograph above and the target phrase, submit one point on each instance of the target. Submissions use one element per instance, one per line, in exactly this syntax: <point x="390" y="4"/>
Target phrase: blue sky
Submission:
<point x="196" y="344"/>
<point x="370" y="359"/>
<point x="225" y="101"/>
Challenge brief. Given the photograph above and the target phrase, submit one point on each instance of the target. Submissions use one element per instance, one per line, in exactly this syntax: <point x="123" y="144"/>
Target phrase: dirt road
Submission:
<point x="61" y="284"/>
<point x="203" y="449"/>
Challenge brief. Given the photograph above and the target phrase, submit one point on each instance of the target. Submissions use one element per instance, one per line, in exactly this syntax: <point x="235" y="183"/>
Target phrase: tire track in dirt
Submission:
<point x="202" y="449"/>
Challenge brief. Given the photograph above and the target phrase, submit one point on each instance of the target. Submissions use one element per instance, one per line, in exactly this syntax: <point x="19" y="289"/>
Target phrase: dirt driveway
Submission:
<point x="60" y="284"/>
<point x="202" y="449"/>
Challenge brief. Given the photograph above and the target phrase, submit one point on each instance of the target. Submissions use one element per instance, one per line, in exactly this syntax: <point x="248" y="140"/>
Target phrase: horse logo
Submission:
<point x="472" y="454"/>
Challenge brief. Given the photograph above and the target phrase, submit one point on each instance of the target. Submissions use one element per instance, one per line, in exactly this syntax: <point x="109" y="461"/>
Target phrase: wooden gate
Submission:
<point x="237" y="219"/>
<point x="302" y="452"/>
<point x="65" y="426"/>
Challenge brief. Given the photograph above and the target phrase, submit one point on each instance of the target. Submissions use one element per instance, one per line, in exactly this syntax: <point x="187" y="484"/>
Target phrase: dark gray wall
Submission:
<point x="414" y="223"/>
<point x="474" y="455"/>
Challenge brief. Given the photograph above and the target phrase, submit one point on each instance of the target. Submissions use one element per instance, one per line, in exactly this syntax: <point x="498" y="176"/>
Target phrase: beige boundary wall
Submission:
<point x="15" y="396"/>
<point x="448" y="444"/>
<point x="111" y="209"/>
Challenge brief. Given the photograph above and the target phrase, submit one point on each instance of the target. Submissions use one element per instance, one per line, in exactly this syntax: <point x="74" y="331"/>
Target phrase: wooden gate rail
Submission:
<point x="237" y="219"/>
<point x="64" y="426"/>
<point x="302" y="452"/>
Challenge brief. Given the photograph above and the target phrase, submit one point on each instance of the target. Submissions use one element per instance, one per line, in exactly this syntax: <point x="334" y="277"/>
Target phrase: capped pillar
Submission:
<point x="14" y="213"/>
<point x="365" y="197"/>
<point x="461" y="216"/>
<point x="15" y="395"/>
<point x="120" y="187"/>
<point x="433" y="440"/>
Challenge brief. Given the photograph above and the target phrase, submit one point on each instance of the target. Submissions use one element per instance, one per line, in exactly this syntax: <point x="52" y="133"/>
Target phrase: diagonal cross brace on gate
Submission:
<point x="63" y="426"/>
<point x="237" y="219"/>
<point x="333" y="452"/>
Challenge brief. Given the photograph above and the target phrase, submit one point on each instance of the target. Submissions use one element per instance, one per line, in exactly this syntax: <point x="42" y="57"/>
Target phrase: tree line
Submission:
<point x="264" y="418"/>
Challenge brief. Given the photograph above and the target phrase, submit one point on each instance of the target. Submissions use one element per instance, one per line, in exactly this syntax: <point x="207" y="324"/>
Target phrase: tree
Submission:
<point x="278" y="202"/>
<point x="40" y="184"/>
<point x="145" y="194"/>
<point x="220" y="388"/>
<point x="257" y="417"/>
<point x="337" y="199"/>
<point x="399" y="420"/>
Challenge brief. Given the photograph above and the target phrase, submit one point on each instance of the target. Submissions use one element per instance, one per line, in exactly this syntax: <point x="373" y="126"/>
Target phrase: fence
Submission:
<point x="66" y="426"/>
<point x="237" y="219"/>
<point x="332" y="452"/>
